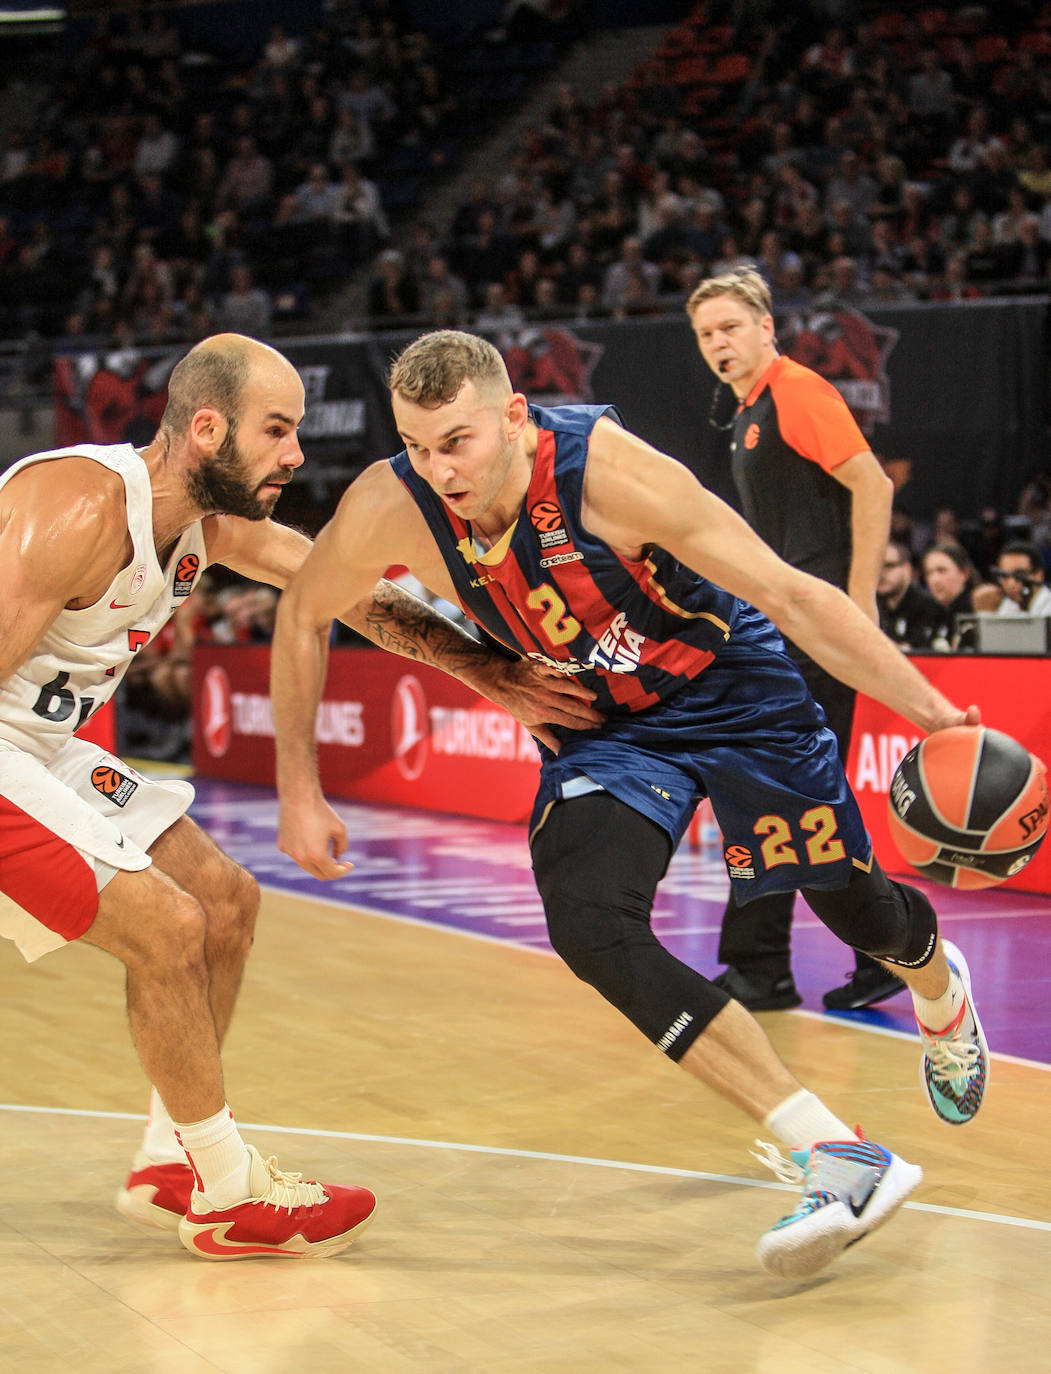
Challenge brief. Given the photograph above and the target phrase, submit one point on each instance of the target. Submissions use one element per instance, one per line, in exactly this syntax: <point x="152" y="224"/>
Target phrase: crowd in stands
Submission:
<point x="160" y="192"/>
<point x="907" y="157"/>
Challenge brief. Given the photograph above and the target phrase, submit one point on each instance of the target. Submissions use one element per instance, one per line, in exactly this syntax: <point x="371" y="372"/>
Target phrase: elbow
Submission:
<point x="805" y="601"/>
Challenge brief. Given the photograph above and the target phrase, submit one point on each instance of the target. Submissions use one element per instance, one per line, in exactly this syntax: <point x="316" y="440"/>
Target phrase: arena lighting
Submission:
<point x="15" y="19"/>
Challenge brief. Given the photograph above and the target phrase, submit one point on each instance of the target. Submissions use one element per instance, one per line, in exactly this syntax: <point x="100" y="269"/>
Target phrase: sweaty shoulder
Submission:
<point x="65" y="495"/>
<point x="63" y="529"/>
<point x="813" y="417"/>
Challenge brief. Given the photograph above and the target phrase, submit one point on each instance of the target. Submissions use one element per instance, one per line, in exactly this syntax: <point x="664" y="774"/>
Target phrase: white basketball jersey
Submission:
<point x="79" y="663"/>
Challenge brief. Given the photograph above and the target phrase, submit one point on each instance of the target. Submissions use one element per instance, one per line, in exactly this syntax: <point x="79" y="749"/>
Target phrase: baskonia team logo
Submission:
<point x="552" y="366"/>
<point x="850" y="351"/>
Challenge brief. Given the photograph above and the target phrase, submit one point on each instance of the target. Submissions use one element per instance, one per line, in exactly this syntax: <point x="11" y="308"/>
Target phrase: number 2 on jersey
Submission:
<point x="557" y="625"/>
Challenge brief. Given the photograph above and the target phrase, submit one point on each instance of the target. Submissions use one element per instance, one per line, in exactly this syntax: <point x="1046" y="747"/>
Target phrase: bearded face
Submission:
<point x="223" y="484"/>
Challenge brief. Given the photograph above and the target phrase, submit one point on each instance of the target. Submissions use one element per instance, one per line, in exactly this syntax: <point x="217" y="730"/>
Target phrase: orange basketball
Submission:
<point x="968" y="806"/>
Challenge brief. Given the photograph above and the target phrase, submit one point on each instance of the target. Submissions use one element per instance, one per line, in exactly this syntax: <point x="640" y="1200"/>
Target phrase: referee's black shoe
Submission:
<point x="869" y="984"/>
<point x="759" y="992"/>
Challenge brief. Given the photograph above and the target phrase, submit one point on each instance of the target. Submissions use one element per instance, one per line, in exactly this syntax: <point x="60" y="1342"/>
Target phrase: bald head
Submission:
<point x="214" y="375"/>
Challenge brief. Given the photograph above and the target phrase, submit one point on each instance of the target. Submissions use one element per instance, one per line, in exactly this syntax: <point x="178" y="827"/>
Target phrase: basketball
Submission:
<point x="968" y="806"/>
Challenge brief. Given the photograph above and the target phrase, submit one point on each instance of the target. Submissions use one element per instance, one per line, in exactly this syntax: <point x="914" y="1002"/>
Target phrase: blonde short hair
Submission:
<point x="431" y="370"/>
<point x="743" y="282"/>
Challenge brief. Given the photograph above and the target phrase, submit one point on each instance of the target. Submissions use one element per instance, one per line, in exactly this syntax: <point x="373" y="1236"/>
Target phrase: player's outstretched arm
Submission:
<point x="346" y="561"/>
<point x="635" y="496"/>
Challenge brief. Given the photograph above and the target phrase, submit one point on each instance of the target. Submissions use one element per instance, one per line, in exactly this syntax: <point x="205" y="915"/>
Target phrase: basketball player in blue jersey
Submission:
<point x="580" y="547"/>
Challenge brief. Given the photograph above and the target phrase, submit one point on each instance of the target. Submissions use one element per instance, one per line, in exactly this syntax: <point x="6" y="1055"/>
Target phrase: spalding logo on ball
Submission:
<point x="968" y="806"/>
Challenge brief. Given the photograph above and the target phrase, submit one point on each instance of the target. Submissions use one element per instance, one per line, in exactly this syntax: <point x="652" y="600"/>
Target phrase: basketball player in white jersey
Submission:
<point x="98" y="547"/>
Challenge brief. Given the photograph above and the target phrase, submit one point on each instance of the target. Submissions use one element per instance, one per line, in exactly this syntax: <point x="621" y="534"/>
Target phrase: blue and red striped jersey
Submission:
<point x="633" y="630"/>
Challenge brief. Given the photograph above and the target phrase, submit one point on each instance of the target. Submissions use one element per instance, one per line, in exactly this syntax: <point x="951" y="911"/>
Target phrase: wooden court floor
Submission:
<point x="554" y="1195"/>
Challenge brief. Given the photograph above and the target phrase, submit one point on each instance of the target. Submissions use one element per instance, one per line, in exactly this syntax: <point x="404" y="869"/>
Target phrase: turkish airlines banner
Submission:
<point x="1014" y="695"/>
<point x="388" y="730"/>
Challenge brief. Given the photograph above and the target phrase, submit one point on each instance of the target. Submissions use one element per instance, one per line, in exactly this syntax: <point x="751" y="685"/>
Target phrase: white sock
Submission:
<point x="158" y="1140"/>
<point x="936" y="1013"/>
<point x="218" y="1157"/>
<point x="803" y="1120"/>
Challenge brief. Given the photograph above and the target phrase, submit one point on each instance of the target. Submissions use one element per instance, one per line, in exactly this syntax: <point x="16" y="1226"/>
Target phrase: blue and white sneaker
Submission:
<point x="849" y="1188"/>
<point x="954" y="1068"/>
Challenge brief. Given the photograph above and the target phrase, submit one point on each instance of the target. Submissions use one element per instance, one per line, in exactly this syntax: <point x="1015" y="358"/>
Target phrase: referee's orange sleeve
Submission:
<point x="813" y="417"/>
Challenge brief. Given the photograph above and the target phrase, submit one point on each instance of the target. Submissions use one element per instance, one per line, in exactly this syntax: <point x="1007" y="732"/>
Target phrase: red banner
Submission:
<point x="1013" y="694"/>
<point x="388" y="730"/>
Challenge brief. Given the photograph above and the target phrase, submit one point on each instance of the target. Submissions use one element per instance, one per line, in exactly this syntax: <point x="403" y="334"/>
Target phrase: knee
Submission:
<point x="231" y="906"/>
<point x="591" y="942"/>
<point x="173" y="944"/>
<point x="882" y="918"/>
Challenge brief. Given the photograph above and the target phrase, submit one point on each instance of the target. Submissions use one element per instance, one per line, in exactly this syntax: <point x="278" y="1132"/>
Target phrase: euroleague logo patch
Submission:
<point x="751" y="436"/>
<point x="739" y="862"/>
<point x="549" y="522"/>
<point x="113" y="785"/>
<point x="185" y="573"/>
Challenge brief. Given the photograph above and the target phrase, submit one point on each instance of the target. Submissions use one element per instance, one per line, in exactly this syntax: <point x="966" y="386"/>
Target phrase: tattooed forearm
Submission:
<point x="394" y="619"/>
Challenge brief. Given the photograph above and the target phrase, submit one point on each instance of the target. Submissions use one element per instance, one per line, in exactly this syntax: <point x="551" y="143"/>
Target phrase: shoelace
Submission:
<point x="787" y="1170"/>
<point x="951" y="1057"/>
<point x="289" y="1190"/>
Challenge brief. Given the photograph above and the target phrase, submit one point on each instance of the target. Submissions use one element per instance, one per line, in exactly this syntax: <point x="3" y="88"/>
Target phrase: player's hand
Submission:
<point x="313" y="834"/>
<point x="539" y="697"/>
<point x="972" y="716"/>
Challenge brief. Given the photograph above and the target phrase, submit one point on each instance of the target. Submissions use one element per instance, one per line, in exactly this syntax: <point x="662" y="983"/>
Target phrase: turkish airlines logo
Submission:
<point x="215" y="712"/>
<point x="409" y="727"/>
<point x="138" y="579"/>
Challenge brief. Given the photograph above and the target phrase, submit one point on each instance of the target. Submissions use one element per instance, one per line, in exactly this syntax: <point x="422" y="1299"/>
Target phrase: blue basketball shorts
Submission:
<point x="747" y="733"/>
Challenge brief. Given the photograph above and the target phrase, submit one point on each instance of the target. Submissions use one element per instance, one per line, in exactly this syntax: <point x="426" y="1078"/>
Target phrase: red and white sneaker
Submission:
<point x="155" y="1195"/>
<point x="283" y="1215"/>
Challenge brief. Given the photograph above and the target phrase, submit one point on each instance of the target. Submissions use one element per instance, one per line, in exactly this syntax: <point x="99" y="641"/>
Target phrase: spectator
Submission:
<point x="630" y="277"/>
<point x="984" y="261"/>
<point x="393" y="291"/>
<point x="951" y="580"/>
<point x="497" y="313"/>
<point x="1030" y="262"/>
<point x="245" y="308"/>
<point x="281" y="51"/>
<point x="248" y="180"/>
<point x="443" y="295"/>
<point x="370" y="103"/>
<point x="318" y="197"/>
<point x="351" y="140"/>
<point x="851" y="185"/>
<point x="931" y="95"/>
<point x="359" y="216"/>
<point x="908" y="613"/>
<point x="157" y="148"/>
<point x="1019" y="574"/>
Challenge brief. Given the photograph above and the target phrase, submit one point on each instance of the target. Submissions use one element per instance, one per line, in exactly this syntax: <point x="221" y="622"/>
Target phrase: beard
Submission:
<point x="220" y="486"/>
